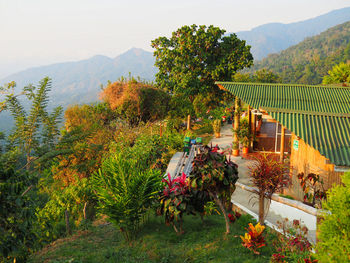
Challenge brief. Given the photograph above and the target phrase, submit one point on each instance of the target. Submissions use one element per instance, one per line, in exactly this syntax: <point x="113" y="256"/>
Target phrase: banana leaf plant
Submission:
<point x="215" y="175"/>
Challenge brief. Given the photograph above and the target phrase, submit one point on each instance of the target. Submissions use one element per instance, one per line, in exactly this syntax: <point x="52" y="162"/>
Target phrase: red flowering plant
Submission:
<point x="177" y="198"/>
<point x="292" y="244"/>
<point x="234" y="216"/>
<point x="269" y="176"/>
<point x="215" y="175"/>
<point x="314" y="192"/>
<point x="254" y="239"/>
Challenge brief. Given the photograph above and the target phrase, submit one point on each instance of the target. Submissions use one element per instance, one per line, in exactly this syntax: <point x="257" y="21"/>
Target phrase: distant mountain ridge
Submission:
<point x="311" y="59"/>
<point x="79" y="82"/>
<point x="274" y="37"/>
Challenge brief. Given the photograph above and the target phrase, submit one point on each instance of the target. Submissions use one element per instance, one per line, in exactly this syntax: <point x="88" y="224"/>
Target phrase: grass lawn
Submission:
<point x="157" y="242"/>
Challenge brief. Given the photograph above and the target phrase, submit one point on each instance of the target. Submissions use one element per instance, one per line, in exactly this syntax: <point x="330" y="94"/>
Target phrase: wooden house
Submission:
<point x="318" y="118"/>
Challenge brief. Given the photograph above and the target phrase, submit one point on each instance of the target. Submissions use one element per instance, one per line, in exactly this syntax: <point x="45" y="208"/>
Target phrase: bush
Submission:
<point x="334" y="239"/>
<point x="292" y="244"/>
<point x="126" y="191"/>
<point x="16" y="215"/>
<point x="178" y="198"/>
<point x="214" y="174"/>
<point x="71" y="198"/>
<point x="136" y="101"/>
<point x="180" y="107"/>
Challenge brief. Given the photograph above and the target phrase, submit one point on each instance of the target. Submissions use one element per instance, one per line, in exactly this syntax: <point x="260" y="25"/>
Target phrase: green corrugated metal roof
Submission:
<point x="319" y="115"/>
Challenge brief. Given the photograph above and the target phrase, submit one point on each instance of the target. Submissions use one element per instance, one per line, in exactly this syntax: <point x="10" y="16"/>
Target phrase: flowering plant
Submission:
<point x="312" y="185"/>
<point x="234" y="216"/>
<point x="292" y="244"/>
<point x="177" y="198"/>
<point x="254" y="239"/>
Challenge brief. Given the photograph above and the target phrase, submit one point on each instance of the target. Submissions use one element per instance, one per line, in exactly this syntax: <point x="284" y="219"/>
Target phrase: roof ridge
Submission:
<point x="330" y="114"/>
<point x="282" y="84"/>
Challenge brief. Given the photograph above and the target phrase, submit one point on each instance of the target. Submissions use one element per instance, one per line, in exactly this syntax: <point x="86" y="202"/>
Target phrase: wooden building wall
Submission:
<point x="308" y="160"/>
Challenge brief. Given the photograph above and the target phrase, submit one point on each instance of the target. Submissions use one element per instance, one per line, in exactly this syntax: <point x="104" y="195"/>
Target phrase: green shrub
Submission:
<point x="334" y="239"/>
<point x="16" y="214"/>
<point x="180" y="106"/>
<point x="201" y="105"/>
<point x="126" y="192"/>
<point x="72" y="198"/>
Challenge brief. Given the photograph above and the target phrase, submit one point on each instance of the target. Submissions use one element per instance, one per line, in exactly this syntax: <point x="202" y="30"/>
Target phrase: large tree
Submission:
<point x="196" y="56"/>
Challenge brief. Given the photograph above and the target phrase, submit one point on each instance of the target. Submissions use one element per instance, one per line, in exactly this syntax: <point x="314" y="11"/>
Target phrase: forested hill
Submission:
<point x="308" y="61"/>
<point x="275" y="37"/>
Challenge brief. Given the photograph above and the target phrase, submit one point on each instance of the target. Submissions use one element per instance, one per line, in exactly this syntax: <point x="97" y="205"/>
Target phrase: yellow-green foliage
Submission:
<point x="334" y="240"/>
<point x="339" y="74"/>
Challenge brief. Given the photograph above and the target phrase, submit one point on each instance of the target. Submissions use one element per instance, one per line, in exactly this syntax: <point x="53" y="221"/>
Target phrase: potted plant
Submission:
<point x="217" y="127"/>
<point x="235" y="149"/>
<point x="244" y="135"/>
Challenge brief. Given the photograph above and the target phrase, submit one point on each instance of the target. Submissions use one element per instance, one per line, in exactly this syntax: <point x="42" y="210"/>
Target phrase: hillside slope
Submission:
<point x="308" y="61"/>
<point x="274" y="37"/>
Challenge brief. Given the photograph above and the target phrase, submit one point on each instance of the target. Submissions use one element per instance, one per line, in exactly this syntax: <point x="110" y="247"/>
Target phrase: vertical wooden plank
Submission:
<point x="282" y="143"/>
<point x="253" y="128"/>
<point x="249" y="117"/>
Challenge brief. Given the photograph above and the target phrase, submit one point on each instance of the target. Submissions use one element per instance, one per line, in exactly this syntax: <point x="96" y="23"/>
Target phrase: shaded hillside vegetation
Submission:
<point x="310" y="60"/>
<point x="274" y="37"/>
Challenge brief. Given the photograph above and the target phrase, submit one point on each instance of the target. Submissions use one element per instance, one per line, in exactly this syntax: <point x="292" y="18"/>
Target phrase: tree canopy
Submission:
<point x="339" y="74"/>
<point x="196" y="56"/>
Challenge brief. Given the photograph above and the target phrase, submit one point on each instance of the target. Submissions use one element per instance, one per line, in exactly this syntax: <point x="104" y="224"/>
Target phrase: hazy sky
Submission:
<point x="38" y="32"/>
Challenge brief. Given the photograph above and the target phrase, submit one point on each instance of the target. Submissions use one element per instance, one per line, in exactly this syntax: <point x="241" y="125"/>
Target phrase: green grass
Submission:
<point x="287" y="196"/>
<point x="157" y="242"/>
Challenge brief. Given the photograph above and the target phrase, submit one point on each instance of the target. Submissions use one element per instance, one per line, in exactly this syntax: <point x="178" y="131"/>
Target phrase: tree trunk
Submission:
<point x="261" y="209"/>
<point x="69" y="231"/>
<point x="223" y="210"/>
<point x="84" y="211"/>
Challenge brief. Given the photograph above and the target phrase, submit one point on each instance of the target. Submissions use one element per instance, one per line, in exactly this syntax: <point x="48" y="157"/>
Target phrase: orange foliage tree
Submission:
<point x="87" y="136"/>
<point x="136" y="101"/>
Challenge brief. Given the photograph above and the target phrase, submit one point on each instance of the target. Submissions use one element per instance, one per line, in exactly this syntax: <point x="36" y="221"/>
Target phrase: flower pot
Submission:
<point x="217" y="134"/>
<point x="235" y="152"/>
<point x="245" y="150"/>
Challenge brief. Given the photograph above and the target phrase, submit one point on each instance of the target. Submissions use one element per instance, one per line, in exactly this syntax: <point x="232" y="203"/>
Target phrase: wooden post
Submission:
<point x="249" y="118"/>
<point x="189" y="122"/>
<point x="282" y="144"/>
<point x="253" y="128"/>
<point x="236" y="121"/>
<point x="69" y="231"/>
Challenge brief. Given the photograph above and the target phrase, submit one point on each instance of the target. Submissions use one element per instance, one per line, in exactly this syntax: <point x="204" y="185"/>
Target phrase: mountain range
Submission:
<point x="80" y="81"/>
<point x="274" y="37"/>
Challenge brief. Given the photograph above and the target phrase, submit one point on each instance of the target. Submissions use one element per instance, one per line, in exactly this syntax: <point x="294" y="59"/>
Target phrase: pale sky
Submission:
<point x="39" y="32"/>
